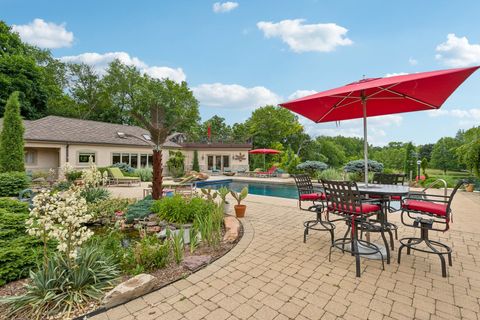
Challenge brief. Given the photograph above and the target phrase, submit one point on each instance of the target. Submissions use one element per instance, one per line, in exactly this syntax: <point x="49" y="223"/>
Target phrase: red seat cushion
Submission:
<point x="312" y="196"/>
<point x="394" y="198"/>
<point x="426" y="206"/>
<point x="366" y="208"/>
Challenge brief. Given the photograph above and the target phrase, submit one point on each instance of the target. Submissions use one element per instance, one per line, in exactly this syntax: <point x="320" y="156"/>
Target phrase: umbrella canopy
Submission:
<point x="381" y="96"/>
<point x="264" y="151"/>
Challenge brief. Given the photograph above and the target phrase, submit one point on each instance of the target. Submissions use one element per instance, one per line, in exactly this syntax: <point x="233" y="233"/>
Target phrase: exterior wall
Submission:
<point x="235" y="164"/>
<point x="45" y="158"/>
<point x="54" y="155"/>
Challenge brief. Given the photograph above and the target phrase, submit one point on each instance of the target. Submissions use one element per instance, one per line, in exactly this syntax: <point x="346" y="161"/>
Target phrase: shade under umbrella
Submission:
<point x="381" y="96"/>
<point x="264" y="152"/>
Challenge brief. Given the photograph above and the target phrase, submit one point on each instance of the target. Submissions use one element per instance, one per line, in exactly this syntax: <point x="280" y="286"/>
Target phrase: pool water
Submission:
<point x="258" y="188"/>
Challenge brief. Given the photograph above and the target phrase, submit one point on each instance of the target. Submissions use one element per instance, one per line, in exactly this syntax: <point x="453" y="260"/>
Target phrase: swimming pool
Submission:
<point x="258" y="188"/>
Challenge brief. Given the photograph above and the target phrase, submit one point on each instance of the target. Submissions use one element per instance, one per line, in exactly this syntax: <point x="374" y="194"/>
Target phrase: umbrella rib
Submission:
<point x="336" y="105"/>
<point x="412" y="98"/>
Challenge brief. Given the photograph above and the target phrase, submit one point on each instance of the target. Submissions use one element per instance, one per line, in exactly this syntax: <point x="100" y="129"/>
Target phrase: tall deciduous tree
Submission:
<point x="443" y="154"/>
<point x="409" y="163"/>
<point x="469" y="151"/>
<point x="11" y="139"/>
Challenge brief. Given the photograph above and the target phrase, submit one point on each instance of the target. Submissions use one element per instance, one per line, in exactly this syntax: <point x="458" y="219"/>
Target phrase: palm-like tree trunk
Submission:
<point x="157" y="181"/>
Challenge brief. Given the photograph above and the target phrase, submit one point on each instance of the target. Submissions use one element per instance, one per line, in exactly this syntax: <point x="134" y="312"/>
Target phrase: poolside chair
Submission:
<point x="117" y="177"/>
<point x="345" y="201"/>
<point x="306" y="192"/>
<point x="431" y="212"/>
<point x="267" y="174"/>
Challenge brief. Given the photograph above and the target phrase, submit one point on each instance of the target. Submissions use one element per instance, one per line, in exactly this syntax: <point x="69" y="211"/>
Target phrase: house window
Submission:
<point x="129" y="158"/>
<point x="84" y="157"/>
<point x="146" y="160"/>
<point x="30" y="157"/>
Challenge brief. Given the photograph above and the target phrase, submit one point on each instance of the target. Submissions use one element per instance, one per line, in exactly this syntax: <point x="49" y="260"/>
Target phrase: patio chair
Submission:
<point x="267" y="174"/>
<point x="344" y="200"/>
<point x="431" y="212"/>
<point x="117" y="177"/>
<point x="306" y="192"/>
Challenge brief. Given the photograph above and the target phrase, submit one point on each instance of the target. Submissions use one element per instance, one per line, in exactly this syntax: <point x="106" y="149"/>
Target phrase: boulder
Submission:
<point x="128" y="290"/>
<point x="232" y="228"/>
<point x="192" y="263"/>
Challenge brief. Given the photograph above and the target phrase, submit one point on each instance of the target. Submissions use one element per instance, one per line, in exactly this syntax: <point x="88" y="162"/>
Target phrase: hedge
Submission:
<point x="11" y="183"/>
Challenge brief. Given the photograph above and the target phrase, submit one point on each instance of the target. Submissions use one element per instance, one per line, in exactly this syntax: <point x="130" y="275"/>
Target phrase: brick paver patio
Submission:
<point x="272" y="274"/>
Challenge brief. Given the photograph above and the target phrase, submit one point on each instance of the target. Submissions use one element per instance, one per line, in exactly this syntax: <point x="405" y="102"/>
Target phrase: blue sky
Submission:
<point x="239" y="55"/>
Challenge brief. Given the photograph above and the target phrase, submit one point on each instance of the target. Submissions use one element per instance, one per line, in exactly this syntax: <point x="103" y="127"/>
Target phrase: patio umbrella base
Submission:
<point x="366" y="252"/>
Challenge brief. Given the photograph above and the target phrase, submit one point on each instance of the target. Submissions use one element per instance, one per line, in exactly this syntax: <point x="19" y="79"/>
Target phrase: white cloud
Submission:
<point x="393" y="74"/>
<point x="234" y="96"/>
<point x="220" y="7"/>
<point x="300" y="37"/>
<point x="458" y="52"/>
<point x="412" y="62"/>
<point x="467" y="117"/>
<point x="377" y="127"/>
<point x="101" y="61"/>
<point x="47" y="35"/>
<point x="300" y="94"/>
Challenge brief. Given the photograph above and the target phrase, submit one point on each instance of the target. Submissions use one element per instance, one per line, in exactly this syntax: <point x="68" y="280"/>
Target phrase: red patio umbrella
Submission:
<point x="264" y="152"/>
<point x="381" y="96"/>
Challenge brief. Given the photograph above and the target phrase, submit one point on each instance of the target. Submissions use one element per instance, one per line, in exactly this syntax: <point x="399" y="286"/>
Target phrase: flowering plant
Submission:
<point x="60" y="216"/>
<point x="91" y="176"/>
<point x="66" y="168"/>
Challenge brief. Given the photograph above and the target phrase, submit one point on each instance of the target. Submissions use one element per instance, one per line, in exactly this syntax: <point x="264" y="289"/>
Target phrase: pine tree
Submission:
<point x="11" y="138"/>
<point x="195" y="165"/>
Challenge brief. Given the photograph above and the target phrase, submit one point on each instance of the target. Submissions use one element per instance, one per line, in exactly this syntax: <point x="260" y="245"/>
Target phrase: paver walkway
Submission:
<point x="272" y="274"/>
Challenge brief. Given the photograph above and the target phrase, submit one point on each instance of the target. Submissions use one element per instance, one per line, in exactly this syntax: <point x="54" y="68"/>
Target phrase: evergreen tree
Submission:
<point x="195" y="165"/>
<point x="409" y="163"/>
<point x="11" y="139"/>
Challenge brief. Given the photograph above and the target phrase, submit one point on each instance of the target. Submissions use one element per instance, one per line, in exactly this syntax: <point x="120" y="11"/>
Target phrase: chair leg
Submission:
<point x="387" y="248"/>
<point x="391" y="239"/>
<point x="356" y="252"/>
<point x="442" y="259"/>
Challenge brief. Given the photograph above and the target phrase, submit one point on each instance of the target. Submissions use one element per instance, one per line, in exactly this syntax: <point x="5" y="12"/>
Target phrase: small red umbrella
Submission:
<point x="264" y="152"/>
<point x="381" y="96"/>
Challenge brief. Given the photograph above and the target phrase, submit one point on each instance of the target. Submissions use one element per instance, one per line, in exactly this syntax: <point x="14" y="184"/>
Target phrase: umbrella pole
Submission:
<point x="365" y="142"/>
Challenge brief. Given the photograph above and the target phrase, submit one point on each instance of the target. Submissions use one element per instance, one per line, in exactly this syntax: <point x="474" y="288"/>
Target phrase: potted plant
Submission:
<point x="469" y="184"/>
<point x="223" y="192"/>
<point x="239" y="207"/>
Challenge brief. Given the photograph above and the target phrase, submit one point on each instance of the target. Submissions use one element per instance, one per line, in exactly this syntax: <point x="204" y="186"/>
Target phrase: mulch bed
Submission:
<point x="165" y="276"/>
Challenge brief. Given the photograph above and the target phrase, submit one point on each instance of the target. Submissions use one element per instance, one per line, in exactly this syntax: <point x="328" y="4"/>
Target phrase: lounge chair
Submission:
<point x="117" y="177"/>
<point x="266" y="174"/>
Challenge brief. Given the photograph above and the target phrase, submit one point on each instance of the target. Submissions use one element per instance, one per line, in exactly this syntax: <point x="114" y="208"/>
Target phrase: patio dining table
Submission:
<point x="383" y="193"/>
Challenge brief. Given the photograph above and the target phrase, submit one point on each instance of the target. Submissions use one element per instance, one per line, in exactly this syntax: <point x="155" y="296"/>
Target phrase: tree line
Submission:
<point x="48" y="86"/>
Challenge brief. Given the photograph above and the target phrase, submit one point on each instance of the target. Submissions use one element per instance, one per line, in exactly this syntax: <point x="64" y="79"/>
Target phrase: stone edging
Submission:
<point x="247" y="234"/>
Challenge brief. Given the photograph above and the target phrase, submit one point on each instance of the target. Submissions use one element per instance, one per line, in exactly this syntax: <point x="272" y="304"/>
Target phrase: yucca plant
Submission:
<point x="58" y="289"/>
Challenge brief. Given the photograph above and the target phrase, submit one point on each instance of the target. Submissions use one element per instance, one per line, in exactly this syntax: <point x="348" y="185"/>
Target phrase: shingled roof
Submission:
<point x="69" y="130"/>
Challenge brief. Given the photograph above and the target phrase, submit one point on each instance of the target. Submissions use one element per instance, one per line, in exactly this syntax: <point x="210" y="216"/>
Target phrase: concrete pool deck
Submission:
<point x="272" y="274"/>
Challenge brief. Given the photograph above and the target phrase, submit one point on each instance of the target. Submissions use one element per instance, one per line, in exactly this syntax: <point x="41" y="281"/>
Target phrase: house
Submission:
<point x="52" y="141"/>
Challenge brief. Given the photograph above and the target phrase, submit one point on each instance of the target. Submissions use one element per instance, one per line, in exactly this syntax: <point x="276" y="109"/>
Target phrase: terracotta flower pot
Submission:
<point x="240" y="210"/>
<point x="470" y="187"/>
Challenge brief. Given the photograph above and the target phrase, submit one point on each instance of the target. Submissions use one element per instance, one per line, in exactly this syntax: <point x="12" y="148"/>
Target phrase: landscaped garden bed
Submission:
<point x="77" y="243"/>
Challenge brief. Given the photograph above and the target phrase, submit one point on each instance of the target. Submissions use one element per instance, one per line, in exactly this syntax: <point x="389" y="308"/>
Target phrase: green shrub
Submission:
<point x="139" y="210"/>
<point x="179" y="210"/>
<point x="145" y="174"/>
<point x="195" y="164"/>
<point x="18" y="256"/>
<point x="330" y="174"/>
<point x="95" y="194"/>
<point x="126" y="168"/>
<point x="11" y="183"/>
<point x="105" y="209"/>
<point x="62" y="185"/>
<point x="58" y="288"/>
<point x="13" y="205"/>
<point x="11" y="224"/>
<point x="359" y="166"/>
<point x="210" y="225"/>
<point x="73" y="175"/>
<point x="311" y="167"/>
<point x="151" y="254"/>
<point x="176" y="163"/>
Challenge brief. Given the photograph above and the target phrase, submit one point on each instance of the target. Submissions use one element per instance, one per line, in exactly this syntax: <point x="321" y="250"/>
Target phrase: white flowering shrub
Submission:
<point x="66" y="168"/>
<point x="60" y="216"/>
<point x="92" y="177"/>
